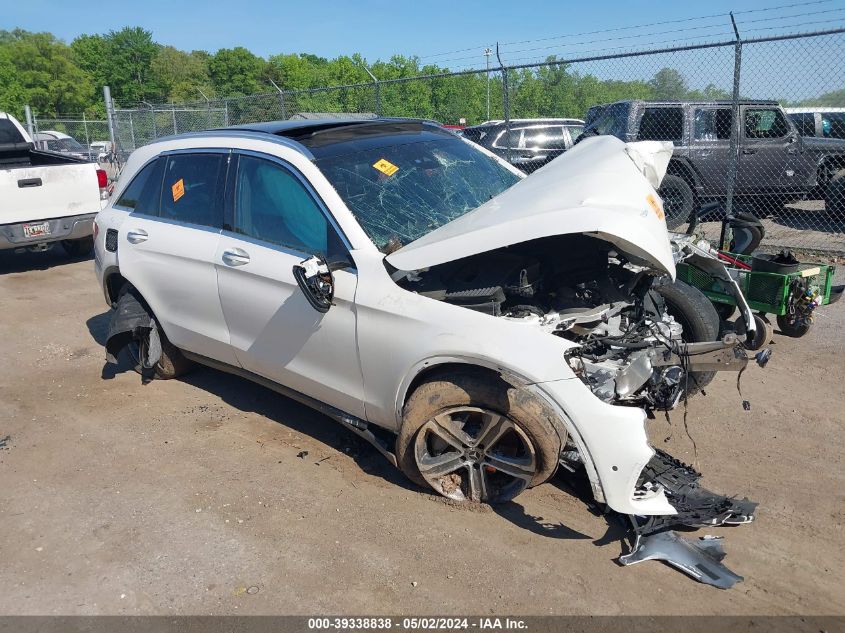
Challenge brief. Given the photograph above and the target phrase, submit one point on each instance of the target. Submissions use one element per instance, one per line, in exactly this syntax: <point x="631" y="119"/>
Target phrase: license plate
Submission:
<point x="36" y="230"/>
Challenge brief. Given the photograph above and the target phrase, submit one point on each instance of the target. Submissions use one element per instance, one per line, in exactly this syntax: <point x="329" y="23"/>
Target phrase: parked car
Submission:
<point x="477" y="326"/>
<point x="821" y="122"/>
<point x="62" y="143"/>
<point x="775" y="162"/>
<point x="45" y="197"/>
<point x="100" y="151"/>
<point x="526" y="143"/>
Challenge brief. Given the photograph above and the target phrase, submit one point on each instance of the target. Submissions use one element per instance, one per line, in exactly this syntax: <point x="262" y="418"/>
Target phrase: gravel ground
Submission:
<point x="210" y="495"/>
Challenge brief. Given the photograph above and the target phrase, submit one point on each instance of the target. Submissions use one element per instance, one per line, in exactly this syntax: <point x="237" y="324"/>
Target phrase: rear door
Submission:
<point x="769" y="157"/>
<point x="167" y="247"/>
<point x="710" y="146"/>
<point x="277" y="221"/>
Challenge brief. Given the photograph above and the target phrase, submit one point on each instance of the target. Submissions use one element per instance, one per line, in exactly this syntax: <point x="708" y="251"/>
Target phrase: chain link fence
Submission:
<point x="758" y="124"/>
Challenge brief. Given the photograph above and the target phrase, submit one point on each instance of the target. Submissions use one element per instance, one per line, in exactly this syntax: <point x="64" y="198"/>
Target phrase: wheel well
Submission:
<point x="682" y="170"/>
<point x="445" y="369"/>
<point x="114" y="283"/>
<point x="828" y="167"/>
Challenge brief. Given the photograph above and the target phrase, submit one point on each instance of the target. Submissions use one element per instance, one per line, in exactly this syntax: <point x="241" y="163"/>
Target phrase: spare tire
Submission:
<point x="678" y="200"/>
<point x="698" y="318"/>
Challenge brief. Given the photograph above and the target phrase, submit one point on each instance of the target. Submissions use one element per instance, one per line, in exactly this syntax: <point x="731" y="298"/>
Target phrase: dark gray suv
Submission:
<point x="529" y="143"/>
<point x="775" y="162"/>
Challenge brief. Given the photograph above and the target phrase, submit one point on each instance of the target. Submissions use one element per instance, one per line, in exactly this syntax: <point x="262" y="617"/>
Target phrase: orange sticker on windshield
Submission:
<point x="655" y="206"/>
<point x="385" y="167"/>
<point x="178" y="189"/>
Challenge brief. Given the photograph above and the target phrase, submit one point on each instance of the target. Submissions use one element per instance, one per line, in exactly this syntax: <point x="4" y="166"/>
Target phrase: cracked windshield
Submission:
<point x="401" y="192"/>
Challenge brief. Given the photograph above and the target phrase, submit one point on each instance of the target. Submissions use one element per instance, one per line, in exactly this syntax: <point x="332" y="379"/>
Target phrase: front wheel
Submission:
<point x="475" y="438"/>
<point x="678" y="200"/>
<point x="698" y="319"/>
<point x="171" y="364"/>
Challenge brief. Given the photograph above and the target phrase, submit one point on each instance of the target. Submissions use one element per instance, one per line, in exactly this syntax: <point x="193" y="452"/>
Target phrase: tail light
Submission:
<point x="103" y="183"/>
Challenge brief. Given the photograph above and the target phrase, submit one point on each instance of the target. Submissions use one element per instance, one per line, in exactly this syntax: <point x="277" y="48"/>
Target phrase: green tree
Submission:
<point x="236" y="71"/>
<point x="180" y="76"/>
<point x="668" y="84"/>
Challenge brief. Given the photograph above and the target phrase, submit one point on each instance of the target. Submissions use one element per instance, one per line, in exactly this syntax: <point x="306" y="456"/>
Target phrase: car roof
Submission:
<point x="812" y="110"/>
<point x="550" y="121"/>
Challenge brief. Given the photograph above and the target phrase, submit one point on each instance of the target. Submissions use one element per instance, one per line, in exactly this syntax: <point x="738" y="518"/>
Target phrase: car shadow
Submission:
<point x="11" y="262"/>
<point x="514" y="512"/>
<point x="247" y="396"/>
<point x="805" y="220"/>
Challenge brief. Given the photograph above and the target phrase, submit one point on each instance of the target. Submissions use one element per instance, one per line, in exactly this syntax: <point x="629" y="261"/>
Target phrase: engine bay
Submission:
<point x="581" y="288"/>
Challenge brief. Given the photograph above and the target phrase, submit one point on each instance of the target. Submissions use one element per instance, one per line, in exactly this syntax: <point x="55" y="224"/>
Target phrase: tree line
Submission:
<point x="56" y="78"/>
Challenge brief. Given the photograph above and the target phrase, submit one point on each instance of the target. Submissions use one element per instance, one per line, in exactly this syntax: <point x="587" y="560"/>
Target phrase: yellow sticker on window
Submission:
<point x="655" y="206"/>
<point x="385" y="167"/>
<point x="178" y="189"/>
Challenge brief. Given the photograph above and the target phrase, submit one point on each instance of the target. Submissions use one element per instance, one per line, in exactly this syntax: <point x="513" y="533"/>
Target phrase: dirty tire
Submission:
<point x="764" y="331"/>
<point x="78" y="248"/>
<point x="790" y="328"/>
<point x="458" y="389"/>
<point x="834" y="195"/>
<point x="172" y="363"/>
<point x="678" y="200"/>
<point x="699" y="320"/>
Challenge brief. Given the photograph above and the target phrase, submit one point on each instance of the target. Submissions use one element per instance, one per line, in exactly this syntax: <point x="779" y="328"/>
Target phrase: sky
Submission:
<point x="381" y="28"/>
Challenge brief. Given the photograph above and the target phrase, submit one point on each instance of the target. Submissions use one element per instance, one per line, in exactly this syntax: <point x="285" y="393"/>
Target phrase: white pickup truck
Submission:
<point x="46" y="197"/>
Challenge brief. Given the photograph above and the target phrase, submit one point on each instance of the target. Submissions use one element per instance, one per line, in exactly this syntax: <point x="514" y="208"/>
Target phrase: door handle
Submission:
<point x="235" y="257"/>
<point x="137" y="236"/>
<point x="748" y="150"/>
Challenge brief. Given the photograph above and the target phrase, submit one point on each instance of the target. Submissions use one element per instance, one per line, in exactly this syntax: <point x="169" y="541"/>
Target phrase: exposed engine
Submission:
<point x="582" y="289"/>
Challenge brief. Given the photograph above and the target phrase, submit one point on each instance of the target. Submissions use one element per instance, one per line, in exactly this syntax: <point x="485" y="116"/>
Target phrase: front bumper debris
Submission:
<point x="700" y="559"/>
<point x="696" y="507"/>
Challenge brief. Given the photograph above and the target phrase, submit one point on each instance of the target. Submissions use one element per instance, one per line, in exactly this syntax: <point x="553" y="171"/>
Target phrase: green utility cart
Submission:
<point x="791" y="296"/>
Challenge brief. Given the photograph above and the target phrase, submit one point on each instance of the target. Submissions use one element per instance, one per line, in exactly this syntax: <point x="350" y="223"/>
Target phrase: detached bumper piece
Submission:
<point x="700" y="559"/>
<point x="697" y="507"/>
<point x="131" y="322"/>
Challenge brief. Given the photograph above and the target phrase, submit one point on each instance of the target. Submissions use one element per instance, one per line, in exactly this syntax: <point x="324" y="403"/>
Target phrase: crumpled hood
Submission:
<point x="602" y="187"/>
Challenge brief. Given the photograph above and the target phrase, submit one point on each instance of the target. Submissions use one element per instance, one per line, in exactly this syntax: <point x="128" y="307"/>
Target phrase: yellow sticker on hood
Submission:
<point x="655" y="206"/>
<point x="385" y="167"/>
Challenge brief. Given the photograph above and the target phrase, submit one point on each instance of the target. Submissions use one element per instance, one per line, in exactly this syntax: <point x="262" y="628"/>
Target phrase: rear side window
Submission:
<point x="144" y="192"/>
<point x="509" y="139"/>
<point x="713" y="125"/>
<point x="9" y="133"/>
<point x="662" y="124"/>
<point x="805" y="122"/>
<point x="833" y="125"/>
<point x="272" y="205"/>
<point x="193" y="189"/>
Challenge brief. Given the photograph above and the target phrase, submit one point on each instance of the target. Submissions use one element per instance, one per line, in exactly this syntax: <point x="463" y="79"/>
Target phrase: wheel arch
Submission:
<point x="561" y="421"/>
<point x="828" y="166"/>
<point x="683" y="169"/>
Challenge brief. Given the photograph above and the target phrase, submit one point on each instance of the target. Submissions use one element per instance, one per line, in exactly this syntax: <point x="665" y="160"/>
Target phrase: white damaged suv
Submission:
<point x="480" y="328"/>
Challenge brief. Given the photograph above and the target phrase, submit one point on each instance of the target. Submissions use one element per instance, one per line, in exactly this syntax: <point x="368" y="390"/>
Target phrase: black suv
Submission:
<point x="530" y="143"/>
<point x="775" y="162"/>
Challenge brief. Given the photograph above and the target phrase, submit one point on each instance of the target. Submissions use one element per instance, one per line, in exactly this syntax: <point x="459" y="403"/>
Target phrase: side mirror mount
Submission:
<point x="315" y="278"/>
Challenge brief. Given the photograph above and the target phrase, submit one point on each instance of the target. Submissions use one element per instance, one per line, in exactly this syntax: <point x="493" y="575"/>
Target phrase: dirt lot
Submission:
<point x="212" y="495"/>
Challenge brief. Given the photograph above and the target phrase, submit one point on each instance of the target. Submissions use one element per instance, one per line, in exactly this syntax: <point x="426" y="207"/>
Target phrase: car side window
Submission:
<point x="192" y="191"/>
<point x="805" y="122"/>
<point x="547" y="137"/>
<point x="713" y="124"/>
<point x="144" y="192"/>
<point x="765" y="123"/>
<point x="575" y="131"/>
<point x="272" y="205"/>
<point x="509" y="139"/>
<point x="833" y="125"/>
<point x="661" y="124"/>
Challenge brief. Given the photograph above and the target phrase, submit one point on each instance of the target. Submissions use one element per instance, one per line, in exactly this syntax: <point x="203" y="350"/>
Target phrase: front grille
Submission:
<point x="111" y="240"/>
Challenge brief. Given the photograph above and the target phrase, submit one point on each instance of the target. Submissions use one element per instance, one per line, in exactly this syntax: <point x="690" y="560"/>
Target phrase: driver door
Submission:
<point x="275" y="221"/>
